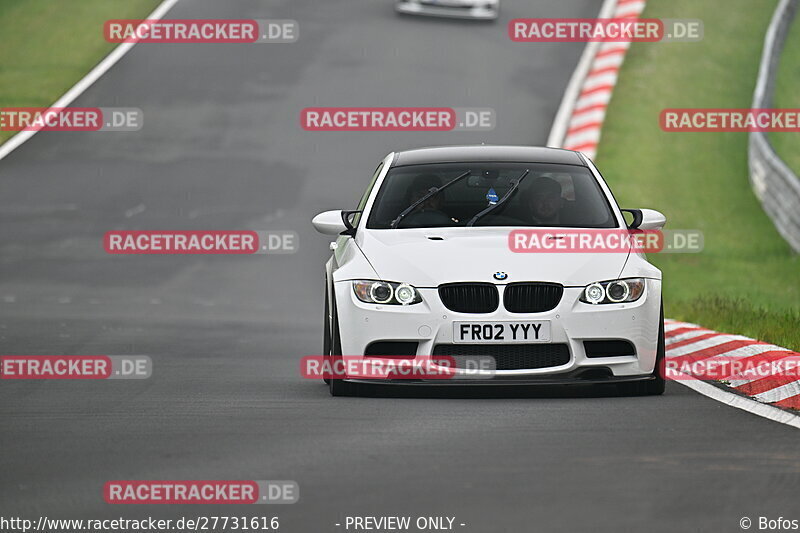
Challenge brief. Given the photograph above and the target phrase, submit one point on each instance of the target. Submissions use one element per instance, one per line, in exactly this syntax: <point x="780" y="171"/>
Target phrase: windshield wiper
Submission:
<point x="503" y="200"/>
<point x="433" y="192"/>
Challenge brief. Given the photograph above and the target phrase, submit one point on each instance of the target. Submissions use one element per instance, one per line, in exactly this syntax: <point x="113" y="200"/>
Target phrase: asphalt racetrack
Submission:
<point x="222" y="148"/>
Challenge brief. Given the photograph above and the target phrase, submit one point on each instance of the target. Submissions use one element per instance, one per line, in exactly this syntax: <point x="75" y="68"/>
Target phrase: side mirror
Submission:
<point x="329" y="222"/>
<point x="646" y="219"/>
<point x="334" y="222"/>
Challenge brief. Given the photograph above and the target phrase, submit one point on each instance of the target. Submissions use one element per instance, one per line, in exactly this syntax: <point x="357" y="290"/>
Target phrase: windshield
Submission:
<point x="549" y="196"/>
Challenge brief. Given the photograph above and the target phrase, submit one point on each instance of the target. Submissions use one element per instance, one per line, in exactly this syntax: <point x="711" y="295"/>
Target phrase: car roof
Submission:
<point x="482" y="152"/>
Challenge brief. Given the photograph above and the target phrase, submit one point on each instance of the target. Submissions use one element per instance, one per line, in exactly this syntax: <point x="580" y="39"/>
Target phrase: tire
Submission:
<point x="326" y="333"/>
<point x="338" y="387"/>
<point x="653" y="387"/>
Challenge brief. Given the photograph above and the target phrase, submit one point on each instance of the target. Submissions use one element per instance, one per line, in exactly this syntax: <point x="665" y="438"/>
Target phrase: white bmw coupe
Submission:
<point x="466" y="9"/>
<point x="424" y="267"/>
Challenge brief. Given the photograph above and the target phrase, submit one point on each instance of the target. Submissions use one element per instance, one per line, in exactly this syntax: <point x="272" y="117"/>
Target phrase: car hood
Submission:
<point x="475" y="254"/>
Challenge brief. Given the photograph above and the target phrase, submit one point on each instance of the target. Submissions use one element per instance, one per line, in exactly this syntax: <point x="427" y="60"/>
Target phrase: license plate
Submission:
<point x="501" y="332"/>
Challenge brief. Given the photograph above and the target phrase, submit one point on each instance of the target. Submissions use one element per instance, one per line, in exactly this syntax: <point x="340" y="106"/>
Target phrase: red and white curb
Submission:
<point x="583" y="109"/>
<point x="765" y="396"/>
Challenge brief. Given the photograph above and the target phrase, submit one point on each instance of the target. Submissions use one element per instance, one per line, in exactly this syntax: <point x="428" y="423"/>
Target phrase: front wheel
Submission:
<point x="326" y="333"/>
<point x="656" y="386"/>
<point x="338" y="387"/>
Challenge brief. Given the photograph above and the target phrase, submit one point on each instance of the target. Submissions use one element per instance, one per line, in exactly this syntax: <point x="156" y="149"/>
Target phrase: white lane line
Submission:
<point x="101" y="68"/>
<point x="741" y="402"/>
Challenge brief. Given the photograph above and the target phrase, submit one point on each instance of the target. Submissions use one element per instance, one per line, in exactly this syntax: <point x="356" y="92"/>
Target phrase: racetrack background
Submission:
<point x="222" y="148"/>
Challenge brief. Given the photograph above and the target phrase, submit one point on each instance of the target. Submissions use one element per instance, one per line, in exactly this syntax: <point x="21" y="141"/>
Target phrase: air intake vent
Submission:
<point x="532" y="297"/>
<point x="469" y="297"/>
<point x="392" y="348"/>
<point x="509" y="356"/>
<point x="615" y="348"/>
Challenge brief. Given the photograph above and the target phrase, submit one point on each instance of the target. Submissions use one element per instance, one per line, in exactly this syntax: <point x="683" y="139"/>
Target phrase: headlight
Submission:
<point x="594" y="293"/>
<point x="386" y="292"/>
<point x="613" y="292"/>
<point x="405" y="294"/>
<point x="381" y="292"/>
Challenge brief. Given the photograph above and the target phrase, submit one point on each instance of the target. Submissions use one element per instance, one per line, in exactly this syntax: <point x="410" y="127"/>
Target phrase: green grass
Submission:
<point x="746" y="280"/>
<point x="48" y="45"/>
<point x="786" y="96"/>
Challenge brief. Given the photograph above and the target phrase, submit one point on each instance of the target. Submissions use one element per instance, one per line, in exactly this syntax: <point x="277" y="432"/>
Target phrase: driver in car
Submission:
<point x="545" y="202"/>
<point x="429" y="212"/>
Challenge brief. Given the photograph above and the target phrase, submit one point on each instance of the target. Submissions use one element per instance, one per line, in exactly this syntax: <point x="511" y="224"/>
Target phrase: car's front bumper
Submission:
<point x="572" y="322"/>
<point x="479" y="11"/>
<point x="515" y="382"/>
